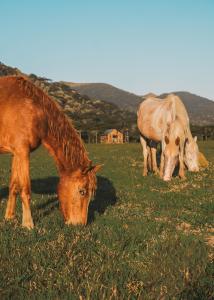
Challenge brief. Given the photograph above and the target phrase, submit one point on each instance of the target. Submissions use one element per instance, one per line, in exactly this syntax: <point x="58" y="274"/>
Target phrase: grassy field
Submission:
<point x="146" y="239"/>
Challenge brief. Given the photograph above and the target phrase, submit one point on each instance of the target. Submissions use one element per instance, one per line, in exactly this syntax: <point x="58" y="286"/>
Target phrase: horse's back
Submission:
<point x="177" y="129"/>
<point x="181" y="111"/>
<point x="153" y="116"/>
<point x="21" y="121"/>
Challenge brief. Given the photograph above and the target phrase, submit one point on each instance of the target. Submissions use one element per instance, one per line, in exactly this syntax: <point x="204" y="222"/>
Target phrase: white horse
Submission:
<point x="154" y="119"/>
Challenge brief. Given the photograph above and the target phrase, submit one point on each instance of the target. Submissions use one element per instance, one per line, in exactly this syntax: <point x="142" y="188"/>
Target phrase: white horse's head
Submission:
<point x="171" y="155"/>
<point x="191" y="155"/>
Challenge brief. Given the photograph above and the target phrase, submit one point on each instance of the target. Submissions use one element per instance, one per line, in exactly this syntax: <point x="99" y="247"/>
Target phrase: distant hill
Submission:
<point x="109" y="93"/>
<point x="6" y="70"/>
<point x="86" y="106"/>
<point x="86" y="113"/>
<point x="200" y="109"/>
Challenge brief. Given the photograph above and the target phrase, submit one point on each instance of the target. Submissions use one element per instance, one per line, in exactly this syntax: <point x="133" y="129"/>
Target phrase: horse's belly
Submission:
<point x="4" y="149"/>
<point x="150" y="132"/>
<point x="153" y="135"/>
<point x="19" y="126"/>
<point x="150" y="123"/>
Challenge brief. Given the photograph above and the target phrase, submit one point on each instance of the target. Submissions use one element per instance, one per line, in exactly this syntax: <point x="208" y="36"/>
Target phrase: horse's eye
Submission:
<point x="82" y="192"/>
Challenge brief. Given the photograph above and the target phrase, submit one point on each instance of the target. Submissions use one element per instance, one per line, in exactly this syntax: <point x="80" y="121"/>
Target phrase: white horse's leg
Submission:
<point x="181" y="161"/>
<point x="162" y="159"/>
<point x="145" y="155"/>
<point x="149" y="159"/>
<point x="154" y="160"/>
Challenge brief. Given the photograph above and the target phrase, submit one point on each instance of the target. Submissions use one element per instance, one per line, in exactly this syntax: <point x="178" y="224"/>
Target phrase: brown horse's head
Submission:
<point x="75" y="192"/>
<point x="191" y="155"/>
<point x="171" y="155"/>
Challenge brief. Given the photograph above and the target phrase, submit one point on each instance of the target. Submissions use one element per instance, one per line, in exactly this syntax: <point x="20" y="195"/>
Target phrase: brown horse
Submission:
<point x="29" y="117"/>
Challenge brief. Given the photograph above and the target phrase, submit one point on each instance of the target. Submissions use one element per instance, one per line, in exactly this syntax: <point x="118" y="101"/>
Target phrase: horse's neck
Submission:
<point x="65" y="163"/>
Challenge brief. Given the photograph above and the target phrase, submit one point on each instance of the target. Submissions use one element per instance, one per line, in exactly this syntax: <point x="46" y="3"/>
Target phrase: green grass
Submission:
<point x="146" y="239"/>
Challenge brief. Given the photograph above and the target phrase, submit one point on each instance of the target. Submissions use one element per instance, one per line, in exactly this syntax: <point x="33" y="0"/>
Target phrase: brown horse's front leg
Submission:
<point x="13" y="190"/>
<point x="11" y="203"/>
<point x="22" y="176"/>
<point x="24" y="179"/>
<point x="27" y="220"/>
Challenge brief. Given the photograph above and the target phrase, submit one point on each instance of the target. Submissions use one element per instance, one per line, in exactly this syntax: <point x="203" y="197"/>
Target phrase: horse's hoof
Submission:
<point x="9" y="217"/>
<point x="156" y="172"/>
<point x="28" y="224"/>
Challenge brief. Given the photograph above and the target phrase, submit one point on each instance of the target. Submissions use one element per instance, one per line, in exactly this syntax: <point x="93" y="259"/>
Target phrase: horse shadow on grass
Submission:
<point x="38" y="186"/>
<point x="105" y="196"/>
<point x="47" y="188"/>
<point x="4" y="193"/>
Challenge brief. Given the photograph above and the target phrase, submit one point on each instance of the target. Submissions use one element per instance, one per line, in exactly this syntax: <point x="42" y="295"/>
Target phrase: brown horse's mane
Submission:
<point x="60" y="128"/>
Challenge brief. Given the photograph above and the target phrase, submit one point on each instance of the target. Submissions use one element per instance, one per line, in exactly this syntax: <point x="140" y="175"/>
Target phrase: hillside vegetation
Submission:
<point x="86" y="113"/>
<point x="97" y="107"/>
<point x="109" y="93"/>
<point x="200" y="109"/>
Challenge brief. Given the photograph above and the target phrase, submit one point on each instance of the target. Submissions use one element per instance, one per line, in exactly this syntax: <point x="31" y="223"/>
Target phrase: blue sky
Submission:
<point x="138" y="45"/>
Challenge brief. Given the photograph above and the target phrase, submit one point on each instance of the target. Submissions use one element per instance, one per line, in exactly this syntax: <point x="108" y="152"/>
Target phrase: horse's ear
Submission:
<point x="195" y="138"/>
<point x="166" y="139"/>
<point x="97" y="168"/>
<point x="91" y="168"/>
<point x="177" y="141"/>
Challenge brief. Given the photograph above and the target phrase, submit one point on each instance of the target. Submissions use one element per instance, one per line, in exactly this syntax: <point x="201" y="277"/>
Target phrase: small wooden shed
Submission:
<point x="112" y="136"/>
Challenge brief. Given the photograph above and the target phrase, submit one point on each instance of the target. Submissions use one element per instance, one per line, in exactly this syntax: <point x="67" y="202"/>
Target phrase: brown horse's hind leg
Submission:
<point x="14" y="186"/>
<point x="21" y="170"/>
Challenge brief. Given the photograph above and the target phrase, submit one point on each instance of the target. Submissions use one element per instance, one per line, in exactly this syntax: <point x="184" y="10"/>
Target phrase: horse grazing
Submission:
<point x="154" y="118"/>
<point x="173" y="150"/>
<point x="28" y="118"/>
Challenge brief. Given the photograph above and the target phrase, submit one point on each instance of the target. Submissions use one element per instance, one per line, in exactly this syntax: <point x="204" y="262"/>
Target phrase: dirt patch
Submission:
<point x="183" y="226"/>
<point x="187" y="228"/>
<point x="210" y="241"/>
<point x="162" y="219"/>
